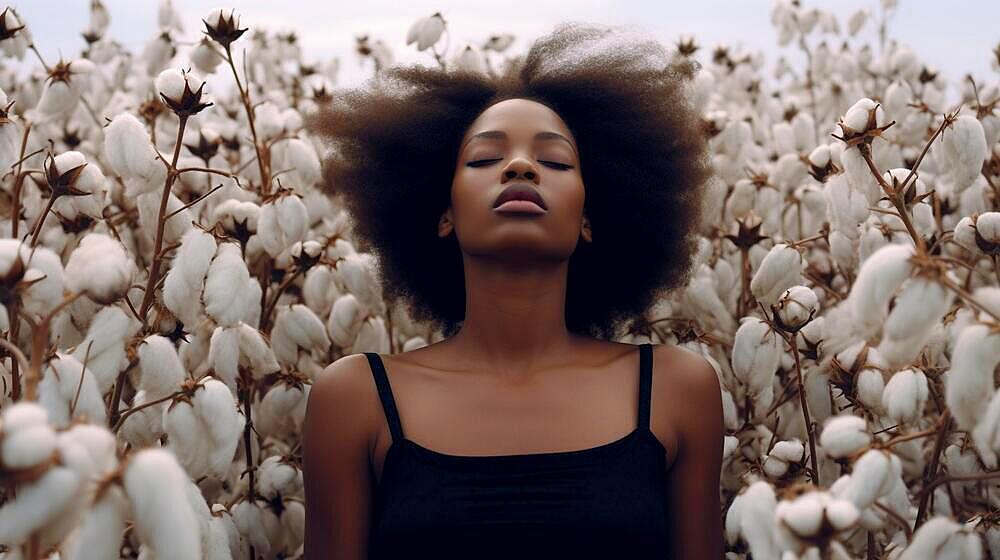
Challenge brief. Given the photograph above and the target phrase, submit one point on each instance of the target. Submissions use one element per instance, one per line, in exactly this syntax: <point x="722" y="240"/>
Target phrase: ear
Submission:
<point x="445" y="225"/>
<point x="585" y="231"/>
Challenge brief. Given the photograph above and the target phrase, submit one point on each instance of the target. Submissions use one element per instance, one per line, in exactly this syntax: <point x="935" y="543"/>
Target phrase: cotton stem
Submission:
<point x="265" y="186"/>
<point x="804" y="402"/>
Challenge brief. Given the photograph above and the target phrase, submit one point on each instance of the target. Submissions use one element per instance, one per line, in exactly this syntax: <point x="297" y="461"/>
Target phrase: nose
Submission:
<point x="520" y="167"/>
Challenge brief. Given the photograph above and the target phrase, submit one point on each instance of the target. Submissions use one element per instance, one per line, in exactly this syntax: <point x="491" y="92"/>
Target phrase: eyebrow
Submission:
<point x="501" y="135"/>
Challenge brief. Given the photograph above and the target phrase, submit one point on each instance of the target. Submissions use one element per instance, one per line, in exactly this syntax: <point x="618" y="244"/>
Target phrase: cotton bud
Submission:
<point x="68" y="386"/>
<point x="865" y="115"/>
<point x="225" y="296"/>
<point x="844" y="435"/>
<point x="297" y="327"/>
<point x="188" y="437"/>
<point x="204" y="56"/>
<point x="221" y="28"/>
<point x="878" y="279"/>
<point x="76" y="186"/>
<point x="33" y="274"/>
<point x="756" y="354"/>
<point x="781" y="269"/>
<point x="426" y="31"/>
<point x="941" y="538"/>
<point x="181" y="91"/>
<point x="795" y="308"/>
<point x="872" y="477"/>
<point x="163" y="519"/>
<point x="969" y="383"/>
<point x="99" y="268"/>
<point x="131" y="155"/>
<point x="963" y="147"/>
<point x="282" y="222"/>
<point x="782" y="455"/>
<point x="62" y="90"/>
<point x="162" y="371"/>
<point x="905" y="395"/>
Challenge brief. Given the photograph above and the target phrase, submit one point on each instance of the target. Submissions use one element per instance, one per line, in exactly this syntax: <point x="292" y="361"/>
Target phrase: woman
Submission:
<point x="575" y="186"/>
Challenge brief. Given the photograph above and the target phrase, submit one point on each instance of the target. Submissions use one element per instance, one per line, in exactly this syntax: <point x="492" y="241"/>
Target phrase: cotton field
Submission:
<point x="173" y="280"/>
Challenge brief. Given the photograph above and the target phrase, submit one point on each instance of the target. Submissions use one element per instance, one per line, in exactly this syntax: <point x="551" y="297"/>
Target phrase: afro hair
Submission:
<point x="392" y="145"/>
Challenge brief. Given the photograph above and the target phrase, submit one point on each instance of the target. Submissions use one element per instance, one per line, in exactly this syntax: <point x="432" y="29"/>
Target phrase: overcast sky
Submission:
<point x="956" y="37"/>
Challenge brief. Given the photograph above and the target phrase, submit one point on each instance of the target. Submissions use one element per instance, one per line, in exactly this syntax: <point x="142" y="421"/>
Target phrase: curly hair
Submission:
<point x="393" y="144"/>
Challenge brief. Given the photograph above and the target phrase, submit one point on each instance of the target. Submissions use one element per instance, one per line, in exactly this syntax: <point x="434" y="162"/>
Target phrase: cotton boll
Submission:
<point x="701" y="292"/>
<point x="921" y="304"/>
<point x="969" y="383"/>
<point x="100" y="268"/>
<point x="784" y="452"/>
<point x="940" y="538"/>
<point x="963" y="145"/>
<point x="796" y="307"/>
<point x="27" y="447"/>
<point x="293" y="523"/>
<point x="879" y="277"/>
<point x="297" y="326"/>
<point x="223" y="303"/>
<point x="255" y="350"/>
<point x="215" y="406"/>
<point x="278" y="477"/>
<point x="155" y="485"/>
<point x="301" y="156"/>
<point x="162" y="371"/>
<point x="905" y="395"/>
<point x="45" y="270"/>
<point x="871" y="478"/>
<point x="131" y="155"/>
<point x="986" y="435"/>
<point x="104" y="346"/>
<point x="843" y="435"/>
<point x="356" y="272"/>
<point x="319" y="290"/>
<point x="224" y="354"/>
<point x="281" y="223"/>
<point x="757" y="519"/>
<point x="188" y="438"/>
<point x="799" y="518"/>
<point x="144" y="427"/>
<point x="101" y="532"/>
<point x="185" y="280"/>
<point x="781" y="269"/>
<point x="870" y="386"/>
<point x="64" y="382"/>
<point x="37" y="504"/>
<point x="859" y="176"/>
<point x="756" y="352"/>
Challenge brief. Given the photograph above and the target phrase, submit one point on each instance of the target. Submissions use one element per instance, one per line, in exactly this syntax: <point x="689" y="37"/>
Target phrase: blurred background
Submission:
<point x="955" y="37"/>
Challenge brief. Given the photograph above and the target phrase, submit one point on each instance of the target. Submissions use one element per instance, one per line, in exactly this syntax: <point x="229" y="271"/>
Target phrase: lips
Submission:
<point x="520" y="191"/>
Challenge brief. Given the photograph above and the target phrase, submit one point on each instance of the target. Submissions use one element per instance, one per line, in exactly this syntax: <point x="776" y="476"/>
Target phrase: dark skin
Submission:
<point x="513" y="377"/>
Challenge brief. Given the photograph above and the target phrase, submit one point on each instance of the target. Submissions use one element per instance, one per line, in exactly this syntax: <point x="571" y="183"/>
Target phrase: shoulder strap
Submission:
<point x="385" y="395"/>
<point x="645" y="382"/>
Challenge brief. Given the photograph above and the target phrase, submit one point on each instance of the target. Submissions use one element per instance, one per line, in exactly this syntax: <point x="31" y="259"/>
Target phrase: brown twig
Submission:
<point x="931" y="474"/>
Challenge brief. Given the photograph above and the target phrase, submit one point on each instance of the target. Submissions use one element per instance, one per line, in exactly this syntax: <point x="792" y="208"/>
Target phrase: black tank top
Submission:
<point x="608" y="501"/>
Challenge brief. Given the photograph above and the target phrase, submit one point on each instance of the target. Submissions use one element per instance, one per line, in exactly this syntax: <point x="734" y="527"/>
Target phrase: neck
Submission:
<point x="515" y="317"/>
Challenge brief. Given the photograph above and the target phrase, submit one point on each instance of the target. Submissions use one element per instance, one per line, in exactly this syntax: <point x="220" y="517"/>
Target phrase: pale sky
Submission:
<point x="956" y="37"/>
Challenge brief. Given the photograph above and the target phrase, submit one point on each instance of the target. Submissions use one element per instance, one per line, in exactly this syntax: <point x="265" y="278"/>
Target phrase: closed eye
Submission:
<point x="485" y="162"/>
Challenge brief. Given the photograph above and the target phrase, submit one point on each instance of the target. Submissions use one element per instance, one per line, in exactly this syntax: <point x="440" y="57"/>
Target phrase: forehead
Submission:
<point x="514" y="114"/>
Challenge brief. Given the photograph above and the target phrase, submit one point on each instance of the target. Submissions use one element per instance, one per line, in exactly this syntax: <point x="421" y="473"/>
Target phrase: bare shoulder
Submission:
<point x="693" y="387"/>
<point x="344" y="393"/>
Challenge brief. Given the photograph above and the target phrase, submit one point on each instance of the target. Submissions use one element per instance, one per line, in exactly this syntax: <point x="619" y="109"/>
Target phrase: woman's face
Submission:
<point x="522" y="143"/>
